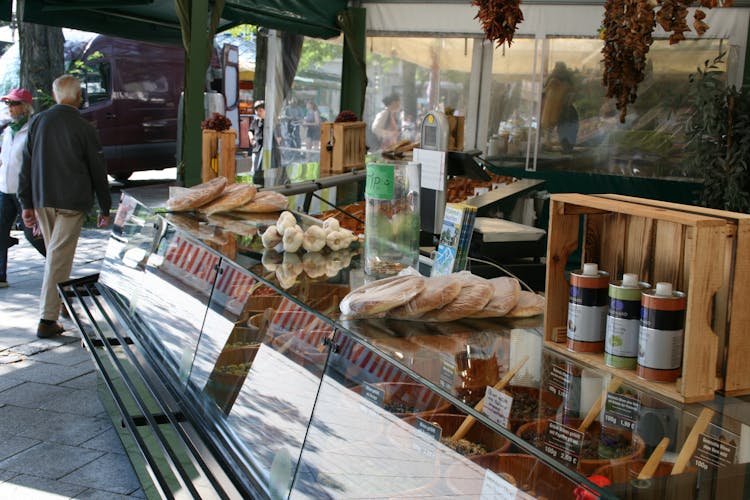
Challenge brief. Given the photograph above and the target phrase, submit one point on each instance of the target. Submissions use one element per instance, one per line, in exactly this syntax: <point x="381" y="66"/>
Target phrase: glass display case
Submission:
<point x="296" y="402"/>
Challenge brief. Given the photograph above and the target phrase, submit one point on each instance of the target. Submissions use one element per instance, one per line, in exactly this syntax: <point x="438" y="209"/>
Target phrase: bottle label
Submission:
<point x="379" y="183"/>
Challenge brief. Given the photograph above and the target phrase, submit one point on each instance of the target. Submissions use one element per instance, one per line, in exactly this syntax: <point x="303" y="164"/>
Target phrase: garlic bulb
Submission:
<point x="314" y="239"/>
<point x="292" y="238"/>
<point x="285" y="220"/>
<point x="337" y="240"/>
<point x="330" y="225"/>
<point x="270" y="237"/>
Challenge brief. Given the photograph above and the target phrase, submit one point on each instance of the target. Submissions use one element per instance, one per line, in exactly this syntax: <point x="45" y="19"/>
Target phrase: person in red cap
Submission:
<point x="14" y="140"/>
<point x="62" y="171"/>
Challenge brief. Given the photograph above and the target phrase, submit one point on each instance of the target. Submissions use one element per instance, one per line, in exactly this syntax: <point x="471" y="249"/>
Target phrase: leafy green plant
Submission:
<point x="719" y="138"/>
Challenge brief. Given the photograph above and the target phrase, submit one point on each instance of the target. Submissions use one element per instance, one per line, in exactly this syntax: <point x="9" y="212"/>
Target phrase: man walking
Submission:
<point x="63" y="168"/>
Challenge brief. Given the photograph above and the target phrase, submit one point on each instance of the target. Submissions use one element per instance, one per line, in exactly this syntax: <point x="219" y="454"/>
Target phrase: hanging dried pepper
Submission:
<point x="627" y="32"/>
<point x="499" y="19"/>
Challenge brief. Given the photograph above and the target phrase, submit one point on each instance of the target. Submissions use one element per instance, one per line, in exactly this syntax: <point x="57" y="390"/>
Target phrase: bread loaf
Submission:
<point x="197" y="196"/>
<point x="381" y="296"/>
<point x="233" y="196"/>
<point x="504" y="298"/>
<point x="438" y="291"/>
<point x="474" y="295"/>
<point x="529" y="304"/>
<point x="264" y="202"/>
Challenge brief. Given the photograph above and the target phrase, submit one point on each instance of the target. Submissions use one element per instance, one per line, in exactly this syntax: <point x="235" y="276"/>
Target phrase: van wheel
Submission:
<point x="122" y="177"/>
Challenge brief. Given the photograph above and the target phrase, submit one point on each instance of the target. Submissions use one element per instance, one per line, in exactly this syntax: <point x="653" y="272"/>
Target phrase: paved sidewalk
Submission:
<point x="56" y="439"/>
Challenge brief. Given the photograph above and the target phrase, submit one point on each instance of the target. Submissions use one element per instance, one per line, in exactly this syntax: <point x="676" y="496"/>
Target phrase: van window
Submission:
<point x="97" y="83"/>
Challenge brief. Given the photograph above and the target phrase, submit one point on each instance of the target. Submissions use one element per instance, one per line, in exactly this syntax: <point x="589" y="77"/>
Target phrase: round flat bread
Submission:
<point x="438" y="292"/>
<point x="504" y="299"/>
<point x="381" y="295"/>
<point x="529" y="304"/>
<point x="197" y="196"/>
<point x="474" y="295"/>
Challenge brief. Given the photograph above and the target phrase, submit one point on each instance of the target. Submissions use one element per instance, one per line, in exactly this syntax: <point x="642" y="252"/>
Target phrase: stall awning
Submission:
<point x="157" y="21"/>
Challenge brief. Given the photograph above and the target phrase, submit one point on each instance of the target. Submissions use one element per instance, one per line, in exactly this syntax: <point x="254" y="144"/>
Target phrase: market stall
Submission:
<point x="251" y="365"/>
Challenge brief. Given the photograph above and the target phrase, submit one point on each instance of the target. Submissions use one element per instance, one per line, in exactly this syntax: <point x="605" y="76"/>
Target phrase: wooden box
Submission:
<point x="731" y="321"/>
<point x="683" y="248"/>
<point x="217" y="155"/>
<point x="342" y="146"/>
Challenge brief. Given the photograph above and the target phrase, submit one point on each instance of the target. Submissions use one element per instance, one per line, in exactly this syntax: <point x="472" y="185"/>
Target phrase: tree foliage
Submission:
<point x="719" y="138"/>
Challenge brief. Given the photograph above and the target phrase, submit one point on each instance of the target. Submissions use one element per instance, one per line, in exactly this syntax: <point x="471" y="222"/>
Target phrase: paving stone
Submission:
<point x="108" y="472"/>
<point x="50" y="460"/>
<point x="70" y="354"/>
<point x="68" y="429"/>
<point x="78" y="402"/>
<point x="48" y="373"/>
<point x="8" y="381"/>
<point x="10" y="445"/>
<point x="25" y="486"/>
<point x="85" y="381"/>
<point x="7" y="475"/>
<point x="15" y="420"/>
<point x="107" y="441"/>
<point x="92" y="494"/>
<point x="33" y="395"/>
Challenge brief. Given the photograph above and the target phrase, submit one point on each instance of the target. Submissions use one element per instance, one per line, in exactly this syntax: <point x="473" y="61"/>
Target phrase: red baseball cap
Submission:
<point x="22" y="95"/>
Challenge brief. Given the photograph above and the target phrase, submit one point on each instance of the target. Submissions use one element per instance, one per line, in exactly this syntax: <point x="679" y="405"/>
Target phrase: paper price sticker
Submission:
<point x="497" y="406"/>
<point x="379" y="184"/>
<point x="496" y="487"/>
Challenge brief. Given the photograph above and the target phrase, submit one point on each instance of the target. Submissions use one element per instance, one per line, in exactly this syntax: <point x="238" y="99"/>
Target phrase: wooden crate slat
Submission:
<point x="668" y="254"/>
<point x="562" y="240"/>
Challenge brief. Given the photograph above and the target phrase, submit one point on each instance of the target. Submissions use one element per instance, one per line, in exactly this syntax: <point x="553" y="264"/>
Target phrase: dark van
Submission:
<point x="131" y="95"/>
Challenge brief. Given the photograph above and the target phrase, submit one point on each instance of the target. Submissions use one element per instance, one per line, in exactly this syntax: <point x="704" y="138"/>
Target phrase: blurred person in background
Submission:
<point x="14" y="140"/>
<point x="387" y="123"/>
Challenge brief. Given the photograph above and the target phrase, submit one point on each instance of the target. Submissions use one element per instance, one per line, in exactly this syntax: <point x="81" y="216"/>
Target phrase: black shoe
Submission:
<point x="12" y="241"/>
<point x="47" y="330"/>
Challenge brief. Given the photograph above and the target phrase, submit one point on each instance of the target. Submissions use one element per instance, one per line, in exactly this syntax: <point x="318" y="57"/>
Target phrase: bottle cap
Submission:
<point x="664" y="289"/>
<point x="630" y="280"/>
<point x="590" y="269"/>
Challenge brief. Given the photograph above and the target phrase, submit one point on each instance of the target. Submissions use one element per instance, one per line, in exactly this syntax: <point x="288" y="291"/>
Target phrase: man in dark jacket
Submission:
<point x="63" y="168"/>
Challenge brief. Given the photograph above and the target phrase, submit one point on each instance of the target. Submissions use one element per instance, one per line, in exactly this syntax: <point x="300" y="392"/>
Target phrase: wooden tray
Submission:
<point x="685" y="249"/>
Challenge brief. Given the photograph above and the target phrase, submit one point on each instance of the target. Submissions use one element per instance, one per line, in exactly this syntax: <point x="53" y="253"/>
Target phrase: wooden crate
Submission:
<point x="731" y="321"/>
<point x="342" y="146"/>
<point x="217" y="156"/>
<point x="683" y="248"/>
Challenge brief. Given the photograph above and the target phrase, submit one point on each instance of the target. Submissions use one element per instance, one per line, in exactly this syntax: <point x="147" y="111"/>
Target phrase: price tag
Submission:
<point x="431" y="429"/>
<point x="496" y="487"/>
<point x="447" y="374"/>
<point x="621" y="411"/>
<point x="563" y="443"/>
<point x="379" y="183"/>
<point x="497" y="405"/>
<point x="712" y="453"/>
<point x="558" y="382"/>
<point x="373" y="394"/>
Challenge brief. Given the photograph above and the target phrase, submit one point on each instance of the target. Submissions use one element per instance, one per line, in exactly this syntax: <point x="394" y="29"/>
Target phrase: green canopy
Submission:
<point x="157" y="20"/>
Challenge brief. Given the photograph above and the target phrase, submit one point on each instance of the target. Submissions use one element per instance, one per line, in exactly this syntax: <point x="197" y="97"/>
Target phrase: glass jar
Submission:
<point x="391" y="218"/>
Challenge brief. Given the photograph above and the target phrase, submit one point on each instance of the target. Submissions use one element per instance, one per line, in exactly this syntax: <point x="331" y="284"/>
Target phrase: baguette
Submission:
<point x="197" y="196"/>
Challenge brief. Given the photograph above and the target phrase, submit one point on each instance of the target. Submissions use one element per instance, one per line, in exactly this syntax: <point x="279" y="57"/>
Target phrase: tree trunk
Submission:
<point x="42" y="60"/>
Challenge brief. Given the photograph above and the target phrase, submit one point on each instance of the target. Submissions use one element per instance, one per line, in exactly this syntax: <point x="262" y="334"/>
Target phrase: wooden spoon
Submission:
<point x="469" y="420"/>
<point x="653" y="461"/>
<point x="688" y="447"/>
<point x="613" y="385"/>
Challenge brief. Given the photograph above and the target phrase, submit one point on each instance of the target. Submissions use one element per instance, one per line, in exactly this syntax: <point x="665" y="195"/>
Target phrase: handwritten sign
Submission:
<point x="497" y="405"/>
<point x="379" y="183"/>
<point x="563" y="443"/>
<point x="621" y="411"/>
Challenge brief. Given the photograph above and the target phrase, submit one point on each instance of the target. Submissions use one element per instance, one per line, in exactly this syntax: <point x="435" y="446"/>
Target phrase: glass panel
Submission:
<point x="426" y="73"/>
<point x="579" y="128"/>
<point x="378" y="431"/>
<point x="172" y="297"/>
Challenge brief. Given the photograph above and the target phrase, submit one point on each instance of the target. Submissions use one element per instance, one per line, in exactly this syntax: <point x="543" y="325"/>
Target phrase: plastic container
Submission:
<point x="391" y="218"/>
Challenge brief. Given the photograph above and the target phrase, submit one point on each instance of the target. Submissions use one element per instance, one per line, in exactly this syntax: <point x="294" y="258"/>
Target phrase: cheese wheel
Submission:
<point x="197" y="196"/>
